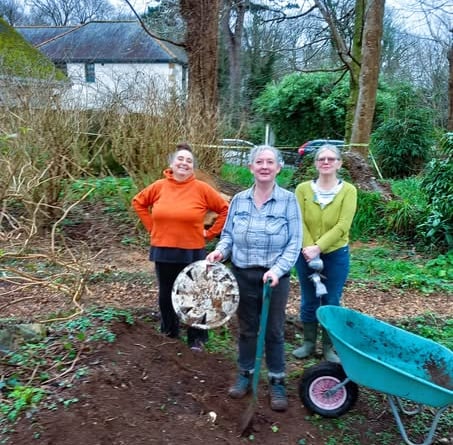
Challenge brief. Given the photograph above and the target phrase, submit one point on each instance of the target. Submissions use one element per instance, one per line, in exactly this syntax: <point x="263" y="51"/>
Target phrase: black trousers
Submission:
<point x="166" y="276"/>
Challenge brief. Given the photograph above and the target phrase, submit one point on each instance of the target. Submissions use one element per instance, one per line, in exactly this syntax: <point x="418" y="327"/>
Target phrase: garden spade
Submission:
<point x="247" y="416"/>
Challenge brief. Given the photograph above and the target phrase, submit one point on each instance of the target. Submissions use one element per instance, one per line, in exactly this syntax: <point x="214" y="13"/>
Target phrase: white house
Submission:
<point x="112" y="63"/>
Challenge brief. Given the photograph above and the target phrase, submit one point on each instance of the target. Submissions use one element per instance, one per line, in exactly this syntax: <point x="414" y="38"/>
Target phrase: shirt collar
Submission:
<point x="275" y="192"/>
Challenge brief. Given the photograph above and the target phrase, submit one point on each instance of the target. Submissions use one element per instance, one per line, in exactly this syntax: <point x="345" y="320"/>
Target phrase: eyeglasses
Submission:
<point x="329" y="160"/>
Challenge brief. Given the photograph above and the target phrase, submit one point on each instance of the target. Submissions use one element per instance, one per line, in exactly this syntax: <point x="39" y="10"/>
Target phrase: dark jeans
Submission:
<point x="250" y="282"/>
<point x="336" y="270"/>
<point x="169" y="325"/>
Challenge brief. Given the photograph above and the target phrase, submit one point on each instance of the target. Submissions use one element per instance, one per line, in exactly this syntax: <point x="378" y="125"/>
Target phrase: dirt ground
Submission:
<point x="148" y="389"/>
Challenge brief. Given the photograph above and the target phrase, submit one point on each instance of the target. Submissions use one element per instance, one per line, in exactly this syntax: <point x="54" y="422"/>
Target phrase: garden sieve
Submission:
<point x="205" y="295"/>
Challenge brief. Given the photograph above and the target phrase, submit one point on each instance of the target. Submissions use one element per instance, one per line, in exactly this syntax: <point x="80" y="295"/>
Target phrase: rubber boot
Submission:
<point x="309" y="346"/>
<point x="327" y="348"/>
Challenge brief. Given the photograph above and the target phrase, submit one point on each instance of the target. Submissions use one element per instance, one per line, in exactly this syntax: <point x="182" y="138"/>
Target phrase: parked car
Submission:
<point x="237" y="143"/>
<point x="311" y="146"/>
<point x="236" y="151"/>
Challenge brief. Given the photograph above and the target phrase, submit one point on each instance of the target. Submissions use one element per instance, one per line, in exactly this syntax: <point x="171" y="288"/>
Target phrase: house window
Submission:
<point x="89" y="72"/>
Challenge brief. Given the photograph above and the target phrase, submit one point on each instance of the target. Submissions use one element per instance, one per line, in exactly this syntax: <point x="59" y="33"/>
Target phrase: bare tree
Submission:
<point x="68" y="12"/>
<point x="270" y="50"/>
<point x="439" y="16"/>
<point x="12" y="11"/>
<point x="425" y="42"/>
<point x="87" y="10"/>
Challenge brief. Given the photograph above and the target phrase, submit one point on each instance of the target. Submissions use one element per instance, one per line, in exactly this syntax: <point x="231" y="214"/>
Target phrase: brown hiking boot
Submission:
<point x="277" y="394"/>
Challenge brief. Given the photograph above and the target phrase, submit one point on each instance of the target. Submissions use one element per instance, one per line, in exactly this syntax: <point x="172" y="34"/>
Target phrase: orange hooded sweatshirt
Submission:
<point x="173" y="212"/>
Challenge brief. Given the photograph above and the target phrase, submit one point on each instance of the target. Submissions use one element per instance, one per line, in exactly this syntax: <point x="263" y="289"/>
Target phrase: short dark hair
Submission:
<point x="184" y="146"/>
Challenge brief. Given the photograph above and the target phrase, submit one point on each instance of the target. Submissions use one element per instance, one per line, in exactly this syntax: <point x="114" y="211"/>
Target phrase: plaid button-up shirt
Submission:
<point x="269" y="237"/>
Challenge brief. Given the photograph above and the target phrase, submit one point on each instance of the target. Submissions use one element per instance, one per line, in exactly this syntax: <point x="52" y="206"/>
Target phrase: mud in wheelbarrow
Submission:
<point x="407" y="368"/>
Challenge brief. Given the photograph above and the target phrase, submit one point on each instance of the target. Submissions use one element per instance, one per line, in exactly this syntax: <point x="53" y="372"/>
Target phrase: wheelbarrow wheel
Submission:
<point x="314" y="389"/>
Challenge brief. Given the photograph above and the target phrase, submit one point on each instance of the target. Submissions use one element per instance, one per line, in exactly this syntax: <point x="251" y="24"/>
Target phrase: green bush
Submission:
<point x="304" y="106"/>
<point x="438" y="186"/>
<point x="402" y="218"/>
<point x="404" y="214"/>
<point x="368" y="220"/>
<point x="243" y="177"/>
<point x="402" y="147"/>
<point x="305" y="171"/>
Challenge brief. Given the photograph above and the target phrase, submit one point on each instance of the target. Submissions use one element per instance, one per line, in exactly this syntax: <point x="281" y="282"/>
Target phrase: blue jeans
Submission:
<point x="336" y="270"/>
<point x="250" y="282"/>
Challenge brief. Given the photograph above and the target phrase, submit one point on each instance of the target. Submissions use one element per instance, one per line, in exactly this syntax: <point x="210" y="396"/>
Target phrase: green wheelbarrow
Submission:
<point x="407" y="368"/>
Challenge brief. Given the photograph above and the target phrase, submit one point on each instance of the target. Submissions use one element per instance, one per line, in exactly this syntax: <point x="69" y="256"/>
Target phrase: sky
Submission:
<point x="408" y="11"/>
<point x="139" y="5"/>
<point x="414" y="18"/>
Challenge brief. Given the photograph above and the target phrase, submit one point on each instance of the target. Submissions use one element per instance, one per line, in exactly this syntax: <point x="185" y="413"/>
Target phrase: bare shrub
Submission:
<point x="42" y="150"/>
<point x="141" y="141"/>
<point x="45" y="145"/>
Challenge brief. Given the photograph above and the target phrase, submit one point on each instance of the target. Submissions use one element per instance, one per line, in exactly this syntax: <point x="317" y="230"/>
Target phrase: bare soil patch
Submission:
<point x="147" y="389"/>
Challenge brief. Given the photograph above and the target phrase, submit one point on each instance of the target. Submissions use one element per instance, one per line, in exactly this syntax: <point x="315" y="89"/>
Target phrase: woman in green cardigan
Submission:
<point x="328" y="205"/>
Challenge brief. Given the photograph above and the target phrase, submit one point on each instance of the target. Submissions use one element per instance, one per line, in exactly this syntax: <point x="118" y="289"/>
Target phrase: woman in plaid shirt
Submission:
<point x="263" y="237"/>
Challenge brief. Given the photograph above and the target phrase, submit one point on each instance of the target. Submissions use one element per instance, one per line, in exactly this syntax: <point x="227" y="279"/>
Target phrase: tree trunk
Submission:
<point x="363" y="66"/>
<point x="234" y="40"/>
<point x="369" y="73"/>
<point x="450" y="89"/>
<point x="201" y="43"/>
<point x="354" y="67"/>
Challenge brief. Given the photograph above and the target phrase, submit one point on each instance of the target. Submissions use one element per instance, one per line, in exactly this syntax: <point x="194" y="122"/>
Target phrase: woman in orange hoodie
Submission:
<point x="173" y="211"/>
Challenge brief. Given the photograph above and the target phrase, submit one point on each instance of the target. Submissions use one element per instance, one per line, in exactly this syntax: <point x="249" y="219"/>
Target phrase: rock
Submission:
<point x="12" y="336"/>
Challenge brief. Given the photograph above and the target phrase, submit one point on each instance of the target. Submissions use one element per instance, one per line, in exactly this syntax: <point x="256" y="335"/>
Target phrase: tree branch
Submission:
<point x="150" y="33"/>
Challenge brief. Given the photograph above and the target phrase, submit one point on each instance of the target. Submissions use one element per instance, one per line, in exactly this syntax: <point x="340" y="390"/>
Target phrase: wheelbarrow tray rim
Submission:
<point x="377" y="371"/>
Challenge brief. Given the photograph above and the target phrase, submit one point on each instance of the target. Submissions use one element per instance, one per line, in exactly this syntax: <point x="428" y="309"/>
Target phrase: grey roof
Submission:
<point x="102" y="42"/>
<point x="36" y="35"/>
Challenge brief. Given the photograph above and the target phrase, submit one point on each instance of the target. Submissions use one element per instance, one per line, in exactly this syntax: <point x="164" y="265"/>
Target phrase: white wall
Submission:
<point x="129" y="86"/>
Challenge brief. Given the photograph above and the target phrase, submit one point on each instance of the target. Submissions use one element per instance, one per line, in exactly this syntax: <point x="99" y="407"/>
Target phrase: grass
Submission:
<point x="354" y="427"/>
<point x="114" y="192"/>
<point x="430" y="326"/>
<point x="402" y="268"/>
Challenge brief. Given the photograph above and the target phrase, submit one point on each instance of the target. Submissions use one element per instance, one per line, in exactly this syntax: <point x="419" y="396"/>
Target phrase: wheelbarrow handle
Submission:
<point x="261" y="335"/>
